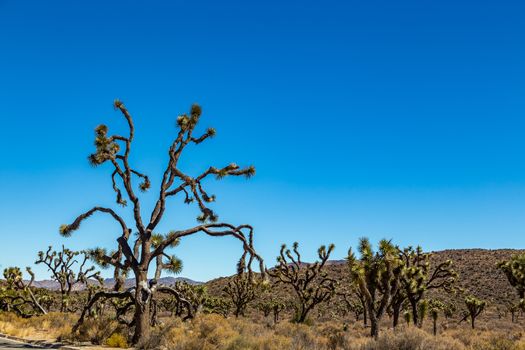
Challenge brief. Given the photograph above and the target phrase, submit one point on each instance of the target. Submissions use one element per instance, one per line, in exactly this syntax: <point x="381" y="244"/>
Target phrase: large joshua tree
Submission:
<point x="136" y="253"/>
<point x="377" y="276"/>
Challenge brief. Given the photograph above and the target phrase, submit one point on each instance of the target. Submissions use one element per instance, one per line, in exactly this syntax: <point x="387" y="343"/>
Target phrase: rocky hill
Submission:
<point x="478" y="274"/>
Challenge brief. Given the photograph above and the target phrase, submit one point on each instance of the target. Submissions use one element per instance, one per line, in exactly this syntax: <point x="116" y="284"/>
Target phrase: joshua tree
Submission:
<point x="449" y="309"/>
<point x="422" y="310"/>
<point x="408" y="317"/>
<point x="136" y="253"/>
<point x="513" y="309"/>
<point x="19" y="293"/>
<point x="398" y="304"/>
<point x="271" y="303"/>
<point x="310" y="283"/>
<point x="435" y="307"/>
<point x="419" y="277"/>
<point x="216" y="305"/>
<point x="62" y="267"/>
<point x="241" y="290"/>
<point x="514" y="269"/>
<point x="377" y="275"/>
<point x="474" y="308"/>
<point x="196" y="295"/>
<point x="354" y="301"/>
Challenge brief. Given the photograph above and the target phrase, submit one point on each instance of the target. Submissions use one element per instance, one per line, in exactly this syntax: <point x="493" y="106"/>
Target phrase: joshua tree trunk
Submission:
<point x="142" y="307"/>
<point x="434" y="328"/>
<point x="365" y="314"/>
<point x="302" y="313"/>
<point x="142" y="322"/>
<point x="374" y="327"/>
<point x="395" y="316"/>
<point x="415" y="314"/>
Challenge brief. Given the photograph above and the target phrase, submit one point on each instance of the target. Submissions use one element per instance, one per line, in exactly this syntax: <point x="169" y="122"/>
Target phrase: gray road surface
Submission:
<point x="6" y="344"/>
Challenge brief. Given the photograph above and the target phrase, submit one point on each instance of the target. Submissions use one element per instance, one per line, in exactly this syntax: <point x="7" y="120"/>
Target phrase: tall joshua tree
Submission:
<point x="420" y="276"/>
<point x="62" y="267"/>
<point x="377" y="275"/>
<point x="136" y="253"/>
<point x="310" y="282"/>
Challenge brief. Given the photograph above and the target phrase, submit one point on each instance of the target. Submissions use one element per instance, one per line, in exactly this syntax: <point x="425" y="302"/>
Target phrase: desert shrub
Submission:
<point x="412" y="339"/>
<point x="96" y="331"/>
<point x="117" y="340"/>
<point x="493" y="342"/>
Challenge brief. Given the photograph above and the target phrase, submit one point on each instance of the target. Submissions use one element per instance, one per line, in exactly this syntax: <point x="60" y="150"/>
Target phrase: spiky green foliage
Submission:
<point x="408" y="317"/>
<point x="514" y="270"/>
<point x="18" y="294"/>
<point x="217" y="305"/>
<point x="419" y="277"/>
<point x="474" y="308"/>
<point x="190" y="296"/>
<point x="377" y="276"/>
<point x="434" y="307"/>
<point x="422" y="310"/>
<point x="310" y="282"/>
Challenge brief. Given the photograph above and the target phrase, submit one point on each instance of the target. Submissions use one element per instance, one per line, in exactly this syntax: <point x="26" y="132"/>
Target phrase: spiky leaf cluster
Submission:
<point x="377" y="276"/>
<point x="514" y="270"/>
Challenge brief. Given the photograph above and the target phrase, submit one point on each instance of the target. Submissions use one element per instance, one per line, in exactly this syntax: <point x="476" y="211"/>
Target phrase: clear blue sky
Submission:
<point x="396" y="119"/>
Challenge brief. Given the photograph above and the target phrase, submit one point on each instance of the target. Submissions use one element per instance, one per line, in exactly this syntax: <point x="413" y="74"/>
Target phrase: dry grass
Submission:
<point x="52" y="326"/>
<point x="212" y="332"/>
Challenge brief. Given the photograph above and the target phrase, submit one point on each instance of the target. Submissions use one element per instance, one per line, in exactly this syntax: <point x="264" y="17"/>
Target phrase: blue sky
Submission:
<point x="396" y="119"/>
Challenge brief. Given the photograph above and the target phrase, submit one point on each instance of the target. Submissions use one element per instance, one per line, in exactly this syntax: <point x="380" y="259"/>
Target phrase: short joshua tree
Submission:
<point x="241" y="290"/>
<point x="310" y="283"/>
<point x="18" y="294"/>
<point x="68" y="268"/>
<point x="474" y="308"/>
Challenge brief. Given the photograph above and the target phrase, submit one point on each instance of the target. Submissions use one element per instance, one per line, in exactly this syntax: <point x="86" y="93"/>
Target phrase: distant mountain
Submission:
<point x="110" y="282"/>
